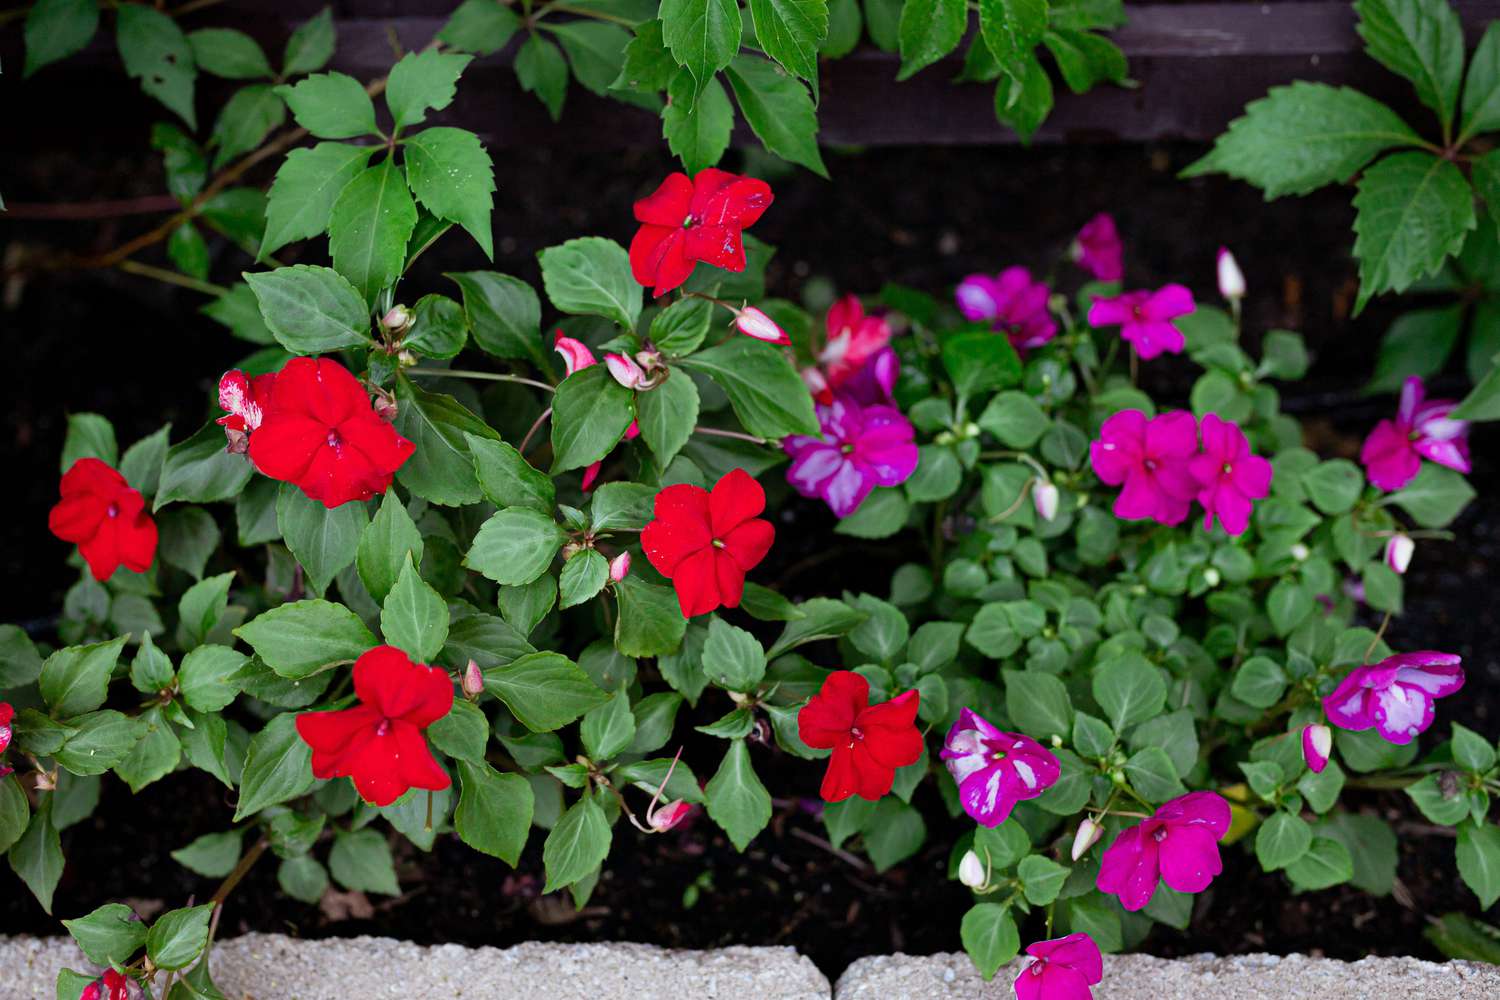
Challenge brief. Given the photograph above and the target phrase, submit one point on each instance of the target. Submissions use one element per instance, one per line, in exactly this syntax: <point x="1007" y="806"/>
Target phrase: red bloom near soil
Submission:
<point x="706" y="542"/>
<point x="685" y="221"/>
<point x="319" y="431"/>
<point x="379" y="743"/>
<point x="105" y="518"/>
<point x="868" y="741"/>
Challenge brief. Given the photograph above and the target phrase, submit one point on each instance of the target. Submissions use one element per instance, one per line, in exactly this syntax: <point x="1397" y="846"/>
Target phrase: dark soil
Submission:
<point x="139" y="353"/>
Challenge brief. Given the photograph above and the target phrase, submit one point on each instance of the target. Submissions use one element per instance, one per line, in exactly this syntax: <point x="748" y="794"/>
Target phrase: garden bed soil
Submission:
<point x="139" y="353"/>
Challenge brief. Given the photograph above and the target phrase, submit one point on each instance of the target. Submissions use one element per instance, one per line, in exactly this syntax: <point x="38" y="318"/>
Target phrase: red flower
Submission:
<point x="320" y="432"/>
<point x="111" y="986"/>
<point x="868" y="741"/>
<point x="706" y="542"/>
<point x="6" y="714"/>
<point x="379" y="743"/>
<point x="685" y="221"/>
<point x="246" y="399"/>
<point x="105" y="518"/>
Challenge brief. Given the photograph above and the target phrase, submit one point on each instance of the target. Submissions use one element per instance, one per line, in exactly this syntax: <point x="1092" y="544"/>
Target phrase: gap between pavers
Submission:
<point x="1202" y="977"/>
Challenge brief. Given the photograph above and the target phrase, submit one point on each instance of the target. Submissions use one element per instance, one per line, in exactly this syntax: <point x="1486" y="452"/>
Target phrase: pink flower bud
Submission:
<point x="1044" y="497"/>
<point x="971" y="871"/>
<point x="754" y="323"/>
<point x="619" y="567"/>
<point x="575" y="353"/>
<point x="46" y="781"/>
<point x="667" y="816"/>
<point x="1087" y="836"/>
<point x="1317" y="744"/>
<point x="473" y="682"/>
<point x="1398" y="552"/>
<point x="1231" y="279"/>
<point x="396" y="320"/>
<point x="625" y="370"/>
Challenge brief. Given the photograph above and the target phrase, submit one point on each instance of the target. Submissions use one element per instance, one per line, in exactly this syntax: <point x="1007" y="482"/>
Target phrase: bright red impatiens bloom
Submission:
<point x="379" y="742"/>
<point x="685" y="221"/>
<point x="705" y="542"/>
<point x="105" y="518"/>
<point x="111" y="986"/>
<point x="868" y="741"/>
<point x="319" y="431"/>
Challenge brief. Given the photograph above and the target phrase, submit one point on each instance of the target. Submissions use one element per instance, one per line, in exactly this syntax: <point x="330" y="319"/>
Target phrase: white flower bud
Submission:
<point x="1044" y="497"/>
<point x="1087" y="836"/>
<point x="1398" y="552"/>
<point x="1231" y="278"/>
<point x="1300" y="552"/>
<point x="971" y="871"/>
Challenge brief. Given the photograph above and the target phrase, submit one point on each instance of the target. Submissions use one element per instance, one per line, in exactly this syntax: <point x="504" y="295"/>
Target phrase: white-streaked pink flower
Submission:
<point x="1317" y="745"/>
<point x="753" y="323"/>
<point x="626" y="371"/>
<point x="575" y="353"/>
<point x="1395" y="696"/>
<point x="619" y="567"/>
<point x="1398" y="552"/>
<point x="1231" y="278"/>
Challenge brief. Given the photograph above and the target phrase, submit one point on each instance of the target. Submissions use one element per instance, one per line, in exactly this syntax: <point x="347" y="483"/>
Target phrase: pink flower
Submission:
<point x="993" y="769"/>
<point x="861" y="447"/>
<point x="854" y="338"/>
<point x="1012" y="303"/>
<point x="1317" y="744"/>
<point x="576" y="356"/>
<point x="1061" y="969"/>
<point x="1228" y="476"/>
<point x="1395" y="696"/>
<point x="619" y="567"/>
<point x="753" y="323"/>
<point x="1152" y="458"/>
<point x="6" y="714"/>
<point x="1097" y="248"/>
<point x="1179" y="844"/>
<point x="667" y="816"/>
<point x="1145" y="318"/>
<point x="1393" y="453"/>
<point x="625" y="370"/>
<point x="1398" y="552"/>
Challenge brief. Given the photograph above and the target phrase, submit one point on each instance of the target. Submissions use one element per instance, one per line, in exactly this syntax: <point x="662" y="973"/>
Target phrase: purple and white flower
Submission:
<point x="862" y="447"/>
<point x="1394" y="697"/>
<point x="995" y="769"/>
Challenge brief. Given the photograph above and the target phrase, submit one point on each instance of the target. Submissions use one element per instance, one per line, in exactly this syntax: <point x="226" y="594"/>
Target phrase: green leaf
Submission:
<point x="1259" y="682"/>
<point x="480" y="26"/>
<point x="1152" y="773"/>
<point x="414" y="617"/>
<point x="930" y="29"/>
<point x="1300" y="137"/>
<point x="310" y="310"/>
<point x="324" y="540"/>
<point x="1038" y="704"/>
<point x="1481" y="108"/>
<point x="110" y="935"/>
<point x="361" y="860"/>
<point x="545" y="691"/>
<point x="1464" y="938"/>
<point x="1435" y="497"/>
<point x="100" y="740"/>
<point x="231" y="54"/>
<point x="278" y="767"/>
<point x="882" y="514"/>
<point x="440" y="469"/>
<point x="371" y="223"/>
<point x="591" y="276"/>
<point x="331" y="106"/>
<point x="735" y="797"/>
<point x="894" y="833"/>
<point x="75" y="679"/>
<point x="515" y="546"/>
<point x="822" y="618"/>
<point x="732" y="658"/>
<point x="507" y="479"/>
<point x="89" y="436"/>
<point x="1025" y="103"/>
<point x="697" y="132"/>
<point x="650" y="622"/>
<point x="790" y="32"/>
<point x="204" y="679"/>
<point x="596" y="50"/>
<point x="1327" y="863"/>
<point x="157" y="53"/>
<point x="299" y="639"/>
<point x="504" y="313"/>
<point x="667" y="415"/>
<point x="778" y="109"/>
<point x="303" y="878"/>
<point x="704" y="35"/>
<point x="142" y="461"/>
<point x="1015" y="419"/>
<point x="423" y="81"/>
<point x="621" y="506"/>
<point x="451" y="175"/>
<point x="1413" y="211"/>
<point x="582" y="577"/>
<point x="608" y="729"/>
<point x="37" y="856"/>
<point x="385" y="546"/>
<point x="178" y="937"/>
<point x="310" y="46"/>
<point x="765" y="390"/>
<point x="1478" y="858"/>
<point x="1420" y="40"/>
<point x="590" y="414"/>
<point x="542" y="71"/>
<point x="494" y="811"/>
<point x="980" y="361"/>
<point x="1041" y="878"/>
<point x="1418" y="343"/>
<point x="1085" y="59"/>
<point x="845" y="26"/>
<point x="1011" y="29"/>
<point x="990" y="937"/>
<point x="15" y="812"/>
<point x="577" y="845"/>
<point x="1333" y="486"/>
<point x="301" y="198"/>
<point x="1472" y="751"/>
<point x="1129" y="689"/>
<point x="212" y="855"/>
<point x="1282" y="840"/>
<point x="56" y="29"/>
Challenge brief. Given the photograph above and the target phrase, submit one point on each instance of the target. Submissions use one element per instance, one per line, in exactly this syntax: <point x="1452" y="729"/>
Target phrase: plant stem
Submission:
<point x="483" y="376"/>
<point x="534" y="428"/>
<point x="111" y="209"/>
<point x="233" y="879"/>
<point x="738" y="436"/>
<point x="171" y="277"/>
<point x="1378" y="636"/>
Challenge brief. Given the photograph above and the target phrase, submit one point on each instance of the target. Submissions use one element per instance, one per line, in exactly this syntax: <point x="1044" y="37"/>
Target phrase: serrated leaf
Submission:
<point x="423" y="81"/>
<point x="704" y="35"/>
<point x="1421" y="40"/>
<point x="1413" y="211"/>
<point x="930" y="29"/>
<point x="451" y="175"/>
<point x="778" y="109"/>
<point x="790" y="31"/>
<point x="307" y="184"/>
<point x="310" y="310"/>
<point x="371" y="222"/>
<point x="697" y="130"/>
<point x="331" y="106"/>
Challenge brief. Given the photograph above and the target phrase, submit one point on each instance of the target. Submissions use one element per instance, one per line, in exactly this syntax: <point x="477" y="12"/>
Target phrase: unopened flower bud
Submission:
<point x="396" y="320"/>
<point x="1044" y="498"/>
<point x="971" y="871"/>
<point x="619" y="567"/>
<point x="46" y="781"/>
<point x="1231" y="278"/>
<point x="1212" y="577"/>
<point x="473" y="682"/>
<point x="1398" y="552"/>
<point x="406" y="358"/>
<point x="238" y="441"/>
<point x="625" y="371"/>
<point x="1317" y="744"/>
<point x="669" y="815"/>
<point x="1300" y="552"/>
<point x="753" y="323"/>
<point x="1087" y="836"/>
<point x="386" y="408"/>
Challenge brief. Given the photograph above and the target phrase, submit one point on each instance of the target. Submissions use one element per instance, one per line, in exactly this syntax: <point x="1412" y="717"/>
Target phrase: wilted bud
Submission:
<point x="1087" y="836"/>
<point x="46" y="781"/>
<point x="406" y="358"/>
<point x="238" y="441"/>
<point x="1044" y="498"/>
<point x="386" y="408"/>
<point x="473" y="682"/>
<point x="1299" y="552"/>
<point x="1398" y="552"/>
<point x="396" y="320"/>
<point x="971" y="871"/>
<point x="626" y="371"/>
<point x="1317" y="744"/>
<point x="1231" y="278"/>
<point x="619" y="567"/>
<point x="753" y="323"/>
<point x="668" y="815"/>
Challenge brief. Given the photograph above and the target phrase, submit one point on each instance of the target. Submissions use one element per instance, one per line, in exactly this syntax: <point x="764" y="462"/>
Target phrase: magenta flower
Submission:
<point x="1393" y="453"/>
<point x="1145" y="318"/>
<point x="1179" y="844"/>
<point x="862" y="447"/>
<point x="1010" y="302"/>
<point x="994" y="769"/>
<point x="1228" y="476"/>
<point x="1395" y="696"/>
<point x="1061" y="969"/>
<point x="1097" y="248"/>
<point x="1152" y="459"/>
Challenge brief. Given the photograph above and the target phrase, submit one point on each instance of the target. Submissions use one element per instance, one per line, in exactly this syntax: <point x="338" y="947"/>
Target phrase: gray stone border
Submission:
<point x="276" y="967"/>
